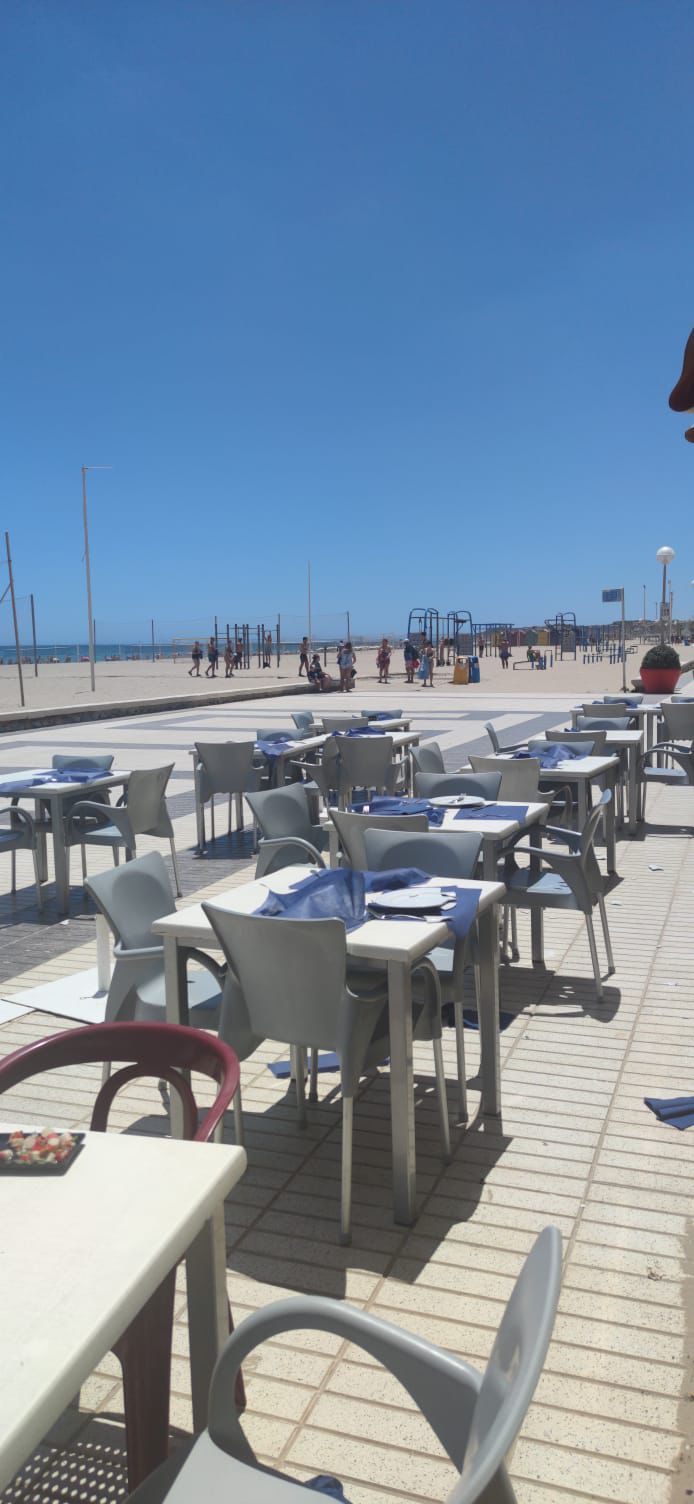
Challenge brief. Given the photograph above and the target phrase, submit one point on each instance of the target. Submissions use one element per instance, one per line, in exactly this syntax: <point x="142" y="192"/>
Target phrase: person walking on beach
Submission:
<point x="228" y="661"/>
<point x="426" y="667"/>
<point x="504" y="652"/>
<point x="410" y="656"/>
<point x="212" y="658"/>
<point x="238" y="655"/>
<point x="480" y="647"/>
<point x="303" y="657"/>
<point x="347" y="662"/>
<point x="196" y="655"/>
<point x="383" y="661"/>
<point x="267" y="650"/>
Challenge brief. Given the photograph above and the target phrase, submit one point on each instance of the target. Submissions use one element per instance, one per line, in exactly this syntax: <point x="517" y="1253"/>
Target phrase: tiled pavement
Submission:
<point x="612" y="1415"/>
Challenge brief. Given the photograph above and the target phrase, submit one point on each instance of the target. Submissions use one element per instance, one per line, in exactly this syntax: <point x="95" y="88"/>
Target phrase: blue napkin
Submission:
<point x="340" y="893"/>
<point x="51" y="776"/>
<point x="494" y="812"/>
<point x="619" y="700"/>
<point x="275" y="748"/>
<point x="556" y="752"/>
<point x="329" y="1487"/>
<point x="387" y="804"/>
<point x="361" y="731"/>
<point x="677" y="1112"/>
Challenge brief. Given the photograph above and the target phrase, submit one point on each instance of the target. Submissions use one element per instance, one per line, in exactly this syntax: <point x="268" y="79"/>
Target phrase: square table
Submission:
<point x="81" y="1253"/>
<point x="583" y="771"/>
<point x="22" y="786"/>
<point x="399" y="946"/>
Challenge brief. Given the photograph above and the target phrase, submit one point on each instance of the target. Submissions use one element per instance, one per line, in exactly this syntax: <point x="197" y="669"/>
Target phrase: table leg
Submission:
<point x="62" y="886"/>
<point x="41" y="854"/>
<point x="199" y="811"/>
<point x="537" y="924"/>
<point x="175" y="986"/>
<point x="610" y="824"/>
<point x="208" y="1309"/>
<point x="633" y="763"/>
<point x="490" y="1056"/>
<point x="103" y="954"/>
<point x="582" y="801"/>
<point x="402" y="1090"/>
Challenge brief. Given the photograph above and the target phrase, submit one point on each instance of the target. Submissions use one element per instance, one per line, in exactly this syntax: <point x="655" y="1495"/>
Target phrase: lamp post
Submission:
<point x="664" y="556"/>
<point x="87" y="566"/>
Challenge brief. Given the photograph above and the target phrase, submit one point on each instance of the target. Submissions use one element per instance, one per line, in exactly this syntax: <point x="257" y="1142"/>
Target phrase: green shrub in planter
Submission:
<point x="661" y="656"/>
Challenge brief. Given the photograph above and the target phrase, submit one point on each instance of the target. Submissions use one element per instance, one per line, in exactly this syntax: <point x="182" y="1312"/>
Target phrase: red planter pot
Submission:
<point x="659" y="681"/>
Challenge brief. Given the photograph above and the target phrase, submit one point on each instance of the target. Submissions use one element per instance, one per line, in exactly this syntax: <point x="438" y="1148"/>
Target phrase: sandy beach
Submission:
<point x="67" y="684"/>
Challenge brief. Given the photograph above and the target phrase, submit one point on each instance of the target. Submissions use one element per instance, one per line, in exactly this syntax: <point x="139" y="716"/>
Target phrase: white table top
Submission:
<point x="500" y="829"/>
<point x="377" y="940"/>
<point x="575" y="767"/>
<point x="79" y="1256"/>
<point x="43" y="790"/>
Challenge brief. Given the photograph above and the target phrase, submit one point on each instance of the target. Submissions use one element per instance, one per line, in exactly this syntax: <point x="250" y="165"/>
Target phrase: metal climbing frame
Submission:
<point x="423" y="625"/>
<point x="563" y="633"/>
<point x="491" y="633"/>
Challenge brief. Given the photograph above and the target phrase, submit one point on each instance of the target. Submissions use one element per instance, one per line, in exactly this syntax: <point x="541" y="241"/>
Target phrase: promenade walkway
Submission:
<point x="612" y="1417"/>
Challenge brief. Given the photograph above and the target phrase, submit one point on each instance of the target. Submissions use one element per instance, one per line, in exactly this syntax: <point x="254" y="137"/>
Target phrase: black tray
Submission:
<point x="45" y="1167"/>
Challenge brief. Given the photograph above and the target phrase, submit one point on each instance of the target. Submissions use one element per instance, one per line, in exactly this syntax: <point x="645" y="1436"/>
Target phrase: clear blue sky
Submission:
<point x="401" y="286"/>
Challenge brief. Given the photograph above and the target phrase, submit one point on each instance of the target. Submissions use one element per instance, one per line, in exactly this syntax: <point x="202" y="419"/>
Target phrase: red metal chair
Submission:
<point x="164" y="1051"/>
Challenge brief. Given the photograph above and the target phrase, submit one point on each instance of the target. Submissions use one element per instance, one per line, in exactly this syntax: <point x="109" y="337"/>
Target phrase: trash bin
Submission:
<point x="474" y="670"/>
<point x="461" y="671"/>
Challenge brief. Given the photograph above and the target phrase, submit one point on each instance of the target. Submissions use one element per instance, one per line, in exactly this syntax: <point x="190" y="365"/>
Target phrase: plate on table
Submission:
<point x="421" y="900"/>
<point x="458" y="801"/>
<point x="15" y="1144"/>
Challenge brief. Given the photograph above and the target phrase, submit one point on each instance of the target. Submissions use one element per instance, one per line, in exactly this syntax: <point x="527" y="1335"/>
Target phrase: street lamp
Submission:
<point x="87" y="566"/>
<point x="664" y="556"/>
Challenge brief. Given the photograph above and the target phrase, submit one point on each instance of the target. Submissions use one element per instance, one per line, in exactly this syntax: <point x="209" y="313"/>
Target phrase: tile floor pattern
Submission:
<point x="612" y="1416"/>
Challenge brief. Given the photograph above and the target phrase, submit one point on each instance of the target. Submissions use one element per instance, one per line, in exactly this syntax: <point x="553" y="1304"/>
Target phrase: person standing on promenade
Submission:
<point x="196" y="655"/>
<point x="347" y="662"/>
<point x="267" y="650"/>
<point x="238" y="655"/>
<point x="212" y="657"/>
<point x="228" y="660"/>
<point x="426" y="667"/>
<point x="504" y="652"/>
<point x="303" y="657"/>
<point x="383" y="661"/>
<point x="410" y="656"/>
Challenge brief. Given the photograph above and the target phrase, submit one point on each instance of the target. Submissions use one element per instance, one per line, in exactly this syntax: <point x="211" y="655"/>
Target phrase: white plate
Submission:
<point x="458" y="801"/>
<point x="422" y="900"/>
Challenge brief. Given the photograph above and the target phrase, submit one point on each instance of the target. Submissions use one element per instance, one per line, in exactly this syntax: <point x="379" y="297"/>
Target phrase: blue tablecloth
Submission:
<point x="342" y="894"/>
<point x="275" y="748"/>
<point x="52" y="776"/>
<point x="676" y="1112"/>
<point x="556" y="752"/>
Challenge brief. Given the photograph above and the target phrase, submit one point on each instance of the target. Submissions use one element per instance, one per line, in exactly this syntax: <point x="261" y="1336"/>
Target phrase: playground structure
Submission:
<point x="563" y="634"/>
<point x="454" y="634"/>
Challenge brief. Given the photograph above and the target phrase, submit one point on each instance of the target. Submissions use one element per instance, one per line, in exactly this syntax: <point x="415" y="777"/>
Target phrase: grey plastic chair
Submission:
<point x="365" y="763"/>
<point x="476" y="1416"/>
<point x="496" y="744"/>
<point x="19" y="835"/>
<point x="573" y="881"/>
<point x="603" y="723"/>
<point x="284" y="817"/>
<point x="351" y="829"/>
<point x="675" y="752"/>
<point x="332" y="723"/>
<point x="427" y="758"/>
<point x="130" y="899"/>
<point x="611" y="710"/>
<point x="431" y="785"/>
<point x="441" y="853"/>
<point x="102" y="763"/>
<point x="142" y="811"/>
<point x="304" y="721"/>
<point x="224" y="768"/>
<point x="289" y="980"/>
<point x="520" y="783"/>
<point x="276" y="733"/>
<point x="373" y="715"/>
<point x="586" y="743"/>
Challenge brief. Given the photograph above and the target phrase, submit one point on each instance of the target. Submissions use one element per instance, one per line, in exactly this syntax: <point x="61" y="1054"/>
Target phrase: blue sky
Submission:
<point x="397" y="286"/>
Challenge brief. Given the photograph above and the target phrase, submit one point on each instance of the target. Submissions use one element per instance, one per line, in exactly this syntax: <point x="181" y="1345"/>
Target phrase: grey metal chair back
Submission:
<point x="441" y="853"/>
<point x="679" y="722"/>
<point x="282" y="812"/>
<point x="103" y="762"/>
<point x="131" y="898"/>
<point x="373" y="715"/>
<point x="603" y="723"/>
<point x="519" y="777"/>
<point x="431" y="785"/>
<point x="276" y="733"/>
<point x="351" y="829"/>
<point x="145" y="802"/>
<point x="427" y="758"/>
<point x="366" y="763"/>
<point x="586" y="743"/>
<point x="609" y="710"/>
<point x="496" y="744"/>
<point x="303" y="720"/>
<point x="20" y="835"/>
<point x="475" y="1416"/>
<point x="226" y="768"/>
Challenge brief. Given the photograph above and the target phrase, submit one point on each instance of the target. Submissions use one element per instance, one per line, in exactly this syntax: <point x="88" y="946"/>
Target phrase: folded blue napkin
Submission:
<point x="340" y="893"/>
<point x="494" y="812"/>
<point x="275" y="748"/>
<point x="387" y="804"/>
<point x="51" y="776"/>
<point x="677" y="1112"/>
<point x="331" y="1488"/>
<point x="554" y="754"/>
<point x="361" y="731"/>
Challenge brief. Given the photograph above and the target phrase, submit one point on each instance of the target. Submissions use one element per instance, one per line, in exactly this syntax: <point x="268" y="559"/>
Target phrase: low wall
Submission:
<point x="67" y="715"/>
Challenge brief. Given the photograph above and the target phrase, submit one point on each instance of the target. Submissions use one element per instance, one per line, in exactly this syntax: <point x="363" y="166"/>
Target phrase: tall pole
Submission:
<point x="624" y="646"/>
<point x="663" y="604"/>
<point x="33" y="637"/>
<point x="153" y="652"/>
<point x="14" y="618"/>
<point x="644" y="603"/>
<point x="88" y="574"/>
<point x="309" y="603"/>
<point x="349" y="634"/>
